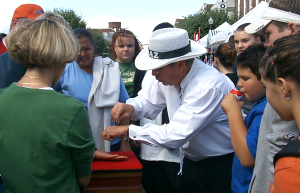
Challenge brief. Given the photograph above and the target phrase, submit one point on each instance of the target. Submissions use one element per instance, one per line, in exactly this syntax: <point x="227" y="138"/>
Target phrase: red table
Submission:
<point x="116" y="176"/>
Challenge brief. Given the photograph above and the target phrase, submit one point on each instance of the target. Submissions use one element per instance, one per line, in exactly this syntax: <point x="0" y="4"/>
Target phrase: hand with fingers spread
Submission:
<point x="102" y="155"/>
<point x="112" y="132"/>
<point x="121" y="111"/>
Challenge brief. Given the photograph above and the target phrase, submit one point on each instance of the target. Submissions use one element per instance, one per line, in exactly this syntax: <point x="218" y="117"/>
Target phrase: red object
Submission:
<point x="238" y="94"/>
<point x="199" y="35"/>
<point x="116" y="176"/>
<point x="131" y="163"/>
<point x="2" y="47"/>
<point x="194" y="36"/>
<point x="29" y="11"/>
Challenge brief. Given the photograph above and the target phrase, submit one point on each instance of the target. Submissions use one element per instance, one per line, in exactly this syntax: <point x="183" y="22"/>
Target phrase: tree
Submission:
<point x="192" y="22"/>
<point x="101" y="45"/>
<point x="70" y="16"/>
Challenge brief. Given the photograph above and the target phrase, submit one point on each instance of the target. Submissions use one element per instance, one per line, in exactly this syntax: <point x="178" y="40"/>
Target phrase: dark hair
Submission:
<point x="251" y="57"/>
<point x="163" y="25"/>
<point x="83" y="33"/>
<point x="118" y="37"/>
<point x="226" y="55"/>
<point x="282" y="60"/>
<point x="259" y="34"/>
<point x="286" y="5"/>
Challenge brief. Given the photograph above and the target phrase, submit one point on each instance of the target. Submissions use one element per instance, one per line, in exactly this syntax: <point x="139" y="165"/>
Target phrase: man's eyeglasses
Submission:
<point x="86" y="49"/>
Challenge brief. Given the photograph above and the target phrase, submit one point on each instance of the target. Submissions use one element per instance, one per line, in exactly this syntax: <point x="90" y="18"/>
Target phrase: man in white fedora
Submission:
<point x="192" y="93"/>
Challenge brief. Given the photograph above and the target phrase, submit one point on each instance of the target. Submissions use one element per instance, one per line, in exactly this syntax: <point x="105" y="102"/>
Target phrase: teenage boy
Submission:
<point x="281" y="18"/>
<point x="244" y="133"/>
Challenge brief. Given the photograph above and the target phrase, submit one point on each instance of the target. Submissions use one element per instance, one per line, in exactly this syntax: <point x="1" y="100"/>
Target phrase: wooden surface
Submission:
<point x="122" y="176"/>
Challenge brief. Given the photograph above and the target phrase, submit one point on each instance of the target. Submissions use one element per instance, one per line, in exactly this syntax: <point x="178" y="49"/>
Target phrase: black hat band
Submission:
<point x="170" y="54"/>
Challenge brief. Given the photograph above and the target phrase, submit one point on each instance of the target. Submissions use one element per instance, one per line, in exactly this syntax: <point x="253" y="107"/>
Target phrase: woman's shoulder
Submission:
<point x="66" y="102"/>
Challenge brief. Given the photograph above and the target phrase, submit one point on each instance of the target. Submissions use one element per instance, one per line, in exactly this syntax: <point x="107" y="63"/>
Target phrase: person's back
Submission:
<point x="10" y="71"/>
<point x="46" y="145"/>
<point x="44" y="132"/>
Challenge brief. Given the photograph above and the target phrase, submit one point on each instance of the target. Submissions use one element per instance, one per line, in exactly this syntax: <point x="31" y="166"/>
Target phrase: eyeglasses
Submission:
<point x="158" y="69"/>
<point x="86" y="49"/>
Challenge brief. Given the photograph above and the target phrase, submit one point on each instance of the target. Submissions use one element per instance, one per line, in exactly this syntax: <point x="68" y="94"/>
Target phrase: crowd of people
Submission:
<point x="61" y="106"/>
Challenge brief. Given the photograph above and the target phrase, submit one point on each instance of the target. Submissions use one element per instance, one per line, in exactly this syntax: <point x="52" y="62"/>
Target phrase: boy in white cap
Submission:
<point x="192" y="92"/>
<point x="281" y="18"/>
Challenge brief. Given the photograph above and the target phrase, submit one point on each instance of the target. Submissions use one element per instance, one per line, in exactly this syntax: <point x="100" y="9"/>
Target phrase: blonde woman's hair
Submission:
<point x="55" y="17"/>
<point x="42" y="42"/>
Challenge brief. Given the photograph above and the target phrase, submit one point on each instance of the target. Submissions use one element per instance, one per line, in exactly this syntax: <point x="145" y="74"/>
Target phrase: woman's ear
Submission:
<point x="284" y="86"/>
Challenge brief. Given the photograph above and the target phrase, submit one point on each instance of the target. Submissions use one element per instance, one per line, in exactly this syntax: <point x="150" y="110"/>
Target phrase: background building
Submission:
<point x="240" y="7"/>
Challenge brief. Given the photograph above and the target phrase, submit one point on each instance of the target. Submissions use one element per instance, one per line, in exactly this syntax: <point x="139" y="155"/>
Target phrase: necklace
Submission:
<point x="33" y="77"/>
<point x="25" y="83"/>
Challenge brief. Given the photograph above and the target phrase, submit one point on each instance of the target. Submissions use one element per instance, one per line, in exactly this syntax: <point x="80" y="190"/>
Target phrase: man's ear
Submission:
<point x="293" y="27"/>
<point x="13" y="23"/>
<point x="216" y="61"/>
<point x="258" y="39"/>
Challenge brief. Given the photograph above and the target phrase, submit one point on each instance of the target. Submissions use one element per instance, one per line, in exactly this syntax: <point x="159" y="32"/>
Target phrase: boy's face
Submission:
<point x="249" y="85"/>
<point x="272" y="34"/>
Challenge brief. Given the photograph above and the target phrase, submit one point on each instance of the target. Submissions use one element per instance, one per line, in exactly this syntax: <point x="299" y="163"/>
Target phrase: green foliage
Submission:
<point x="192" y="22"/>
<point x="70" y="16"/>
<point x="101" y="45"/>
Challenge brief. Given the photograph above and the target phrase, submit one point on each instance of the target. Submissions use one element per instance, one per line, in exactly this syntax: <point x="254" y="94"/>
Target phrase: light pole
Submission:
<point x="211" y="22"/>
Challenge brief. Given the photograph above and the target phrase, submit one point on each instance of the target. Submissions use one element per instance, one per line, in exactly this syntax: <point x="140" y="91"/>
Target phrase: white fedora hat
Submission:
<point x="167" y="46"/>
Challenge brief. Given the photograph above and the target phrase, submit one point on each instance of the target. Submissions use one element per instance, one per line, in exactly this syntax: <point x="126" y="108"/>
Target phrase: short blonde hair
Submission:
<point x="42" y="42"/>
<point x="55" y="17"/>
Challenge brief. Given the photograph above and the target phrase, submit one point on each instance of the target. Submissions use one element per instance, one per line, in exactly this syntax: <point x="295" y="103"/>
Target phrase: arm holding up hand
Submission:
<point x="238" y="129"/>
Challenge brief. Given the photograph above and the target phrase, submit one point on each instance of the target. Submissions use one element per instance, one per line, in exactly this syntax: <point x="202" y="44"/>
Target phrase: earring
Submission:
<point x="288" y="96"/>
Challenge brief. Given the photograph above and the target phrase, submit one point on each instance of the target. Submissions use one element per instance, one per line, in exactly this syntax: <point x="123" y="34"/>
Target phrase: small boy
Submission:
<point x="244" y="133"/>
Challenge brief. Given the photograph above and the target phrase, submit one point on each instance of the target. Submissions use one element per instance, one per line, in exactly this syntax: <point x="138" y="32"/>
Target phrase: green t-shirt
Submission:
<point x="45" y="141"/>
<point x="127" y="71"/>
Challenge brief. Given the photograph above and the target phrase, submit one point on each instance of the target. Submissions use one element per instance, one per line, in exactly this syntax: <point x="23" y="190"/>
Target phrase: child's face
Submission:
<point x="252" y="88"/>
<point x="272" y="33"/>
<point x="125" y="50"/>
<point x="274" y="94"/>
<point x="242" y="40"/>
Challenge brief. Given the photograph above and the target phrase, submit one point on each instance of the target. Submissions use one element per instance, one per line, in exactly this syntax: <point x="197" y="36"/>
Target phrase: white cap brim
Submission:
<point x="144" y="62"/>
<point x="257" y="26"/>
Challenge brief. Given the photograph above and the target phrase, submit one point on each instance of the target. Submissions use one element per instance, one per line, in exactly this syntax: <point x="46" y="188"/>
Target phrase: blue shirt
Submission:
<point x="77" y="83"/>
<point x="241" y="176"/>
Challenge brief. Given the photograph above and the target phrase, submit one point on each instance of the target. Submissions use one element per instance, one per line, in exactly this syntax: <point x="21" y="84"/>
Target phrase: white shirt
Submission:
<point x="197" y="122"/>
<point x="152" y="153"/>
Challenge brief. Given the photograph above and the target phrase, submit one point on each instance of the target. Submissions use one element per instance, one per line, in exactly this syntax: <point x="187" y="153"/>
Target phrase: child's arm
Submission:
<point x="238" y="129"/>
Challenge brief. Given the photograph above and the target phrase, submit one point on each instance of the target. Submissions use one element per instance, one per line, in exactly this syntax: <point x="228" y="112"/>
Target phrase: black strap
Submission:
<point x="292" y="149"/>
<point x="171" y="54"/>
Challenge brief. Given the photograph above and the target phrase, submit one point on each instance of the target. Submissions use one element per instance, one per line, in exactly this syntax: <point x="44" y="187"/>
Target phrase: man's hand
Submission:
<point x="112" y="132"/>
<point x="121" y="111"/>
<point x="102" y="155"/>
<point x="230" y="103"/>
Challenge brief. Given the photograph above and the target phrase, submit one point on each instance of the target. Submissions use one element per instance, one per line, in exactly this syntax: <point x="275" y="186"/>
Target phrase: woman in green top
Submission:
<point x="45" y="139"/>
<point x="124" y="49"/>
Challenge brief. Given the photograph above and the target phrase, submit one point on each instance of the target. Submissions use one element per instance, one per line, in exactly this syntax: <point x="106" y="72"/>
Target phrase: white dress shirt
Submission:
<point x="197" y="122"/>
<point x="152" y="153"/>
